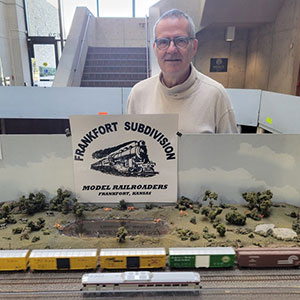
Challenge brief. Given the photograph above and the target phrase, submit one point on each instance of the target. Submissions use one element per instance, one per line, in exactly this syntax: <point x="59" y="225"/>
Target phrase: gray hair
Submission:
<point x="176" y="14"/>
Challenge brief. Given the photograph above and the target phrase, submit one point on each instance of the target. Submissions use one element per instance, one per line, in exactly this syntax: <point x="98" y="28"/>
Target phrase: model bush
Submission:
<point x="121" y="234"/>
<point x="5" y="210"/>
<point x="296" y="226"/>
<point x="10" y="220"/>
<point x="122" y="205"/>
<point x="293" y="214"/>
<point x="193" y="220"/>
<point x="260" y="201"/>
<point x="149" y="206"/>
<point x="33" y="204"/>
<point x="254" y="214"/>
<point x="35" y="239"/>
<point x="221" y="229"/>
<point x="235" y="218"/>
<point x="17" y="230"/>
<point x="194" y="237"/>
<point x="36" y="226"/>
<point x="183" y="203"/>
<point x="185" y="234"/>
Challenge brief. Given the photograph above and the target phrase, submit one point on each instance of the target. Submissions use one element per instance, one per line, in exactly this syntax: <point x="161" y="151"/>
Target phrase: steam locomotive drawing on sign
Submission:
<point x="128" y="159"/>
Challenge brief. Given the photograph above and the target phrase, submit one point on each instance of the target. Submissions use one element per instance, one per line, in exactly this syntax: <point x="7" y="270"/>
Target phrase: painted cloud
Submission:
<point x="264" y="153"/>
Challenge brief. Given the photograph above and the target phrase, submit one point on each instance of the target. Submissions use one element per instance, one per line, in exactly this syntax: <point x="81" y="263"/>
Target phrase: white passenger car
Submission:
<point x="141" y="281"/>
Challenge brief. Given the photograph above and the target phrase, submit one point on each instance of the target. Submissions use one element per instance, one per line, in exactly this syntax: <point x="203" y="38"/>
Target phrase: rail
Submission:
<point x="147" y="46"/>
<point x="82" y="45"/>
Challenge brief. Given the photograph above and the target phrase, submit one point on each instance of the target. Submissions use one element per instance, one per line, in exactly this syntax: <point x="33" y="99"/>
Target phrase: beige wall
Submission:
<point x="118" y="32"/>
<point x="212" y="44"/>
<point x="274" y="52"/>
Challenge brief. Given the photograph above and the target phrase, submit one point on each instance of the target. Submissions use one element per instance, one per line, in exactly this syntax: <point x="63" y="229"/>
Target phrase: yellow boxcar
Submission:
<point x="135" y="258"/>
<point x="14" y="260"/>
<point x="63" y="259"/>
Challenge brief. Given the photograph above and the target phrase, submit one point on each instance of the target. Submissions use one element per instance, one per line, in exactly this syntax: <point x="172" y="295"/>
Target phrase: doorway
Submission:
<point x="43" y="55"/>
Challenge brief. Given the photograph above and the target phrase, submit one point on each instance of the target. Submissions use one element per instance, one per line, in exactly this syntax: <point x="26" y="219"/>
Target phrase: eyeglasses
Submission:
<point x="180" y="42"/>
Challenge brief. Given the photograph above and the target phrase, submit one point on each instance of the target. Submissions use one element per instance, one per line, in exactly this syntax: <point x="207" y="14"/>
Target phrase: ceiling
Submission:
<point x="244" y="13"/>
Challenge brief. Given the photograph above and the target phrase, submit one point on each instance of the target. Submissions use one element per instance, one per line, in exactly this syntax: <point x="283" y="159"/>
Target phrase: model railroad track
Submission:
<point x="204" y="278"/>
<point x="37" y="281"/>
<point x="217" y="292"/>
<point x="257" y="277"/>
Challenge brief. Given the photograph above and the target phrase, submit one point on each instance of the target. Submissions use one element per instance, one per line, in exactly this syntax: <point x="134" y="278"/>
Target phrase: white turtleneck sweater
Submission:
<point x="202" y="103"/>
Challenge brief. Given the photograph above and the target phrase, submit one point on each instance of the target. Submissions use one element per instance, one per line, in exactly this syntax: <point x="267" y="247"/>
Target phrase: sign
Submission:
<point x="218" y="64"/>
<point x="125" y="157"/>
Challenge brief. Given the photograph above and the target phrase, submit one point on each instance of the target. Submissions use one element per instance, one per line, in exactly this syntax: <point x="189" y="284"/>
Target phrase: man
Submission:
<point x="202" y="104"/>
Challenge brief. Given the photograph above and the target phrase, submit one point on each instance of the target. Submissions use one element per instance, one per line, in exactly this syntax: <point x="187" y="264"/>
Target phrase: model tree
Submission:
<point x="121" y="234"/>
<point x="221" y="229"/>
<point x="122" y="205"/>
<point x="33" y="204"/>
<point x="56" y="203"/>
<point x="260" y="202"/>
<point x="210" y="211"/>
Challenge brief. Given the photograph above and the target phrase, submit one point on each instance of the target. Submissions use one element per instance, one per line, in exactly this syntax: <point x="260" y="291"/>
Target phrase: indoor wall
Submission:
<point x="274" y="52"/>
<point x="212" y="44"/>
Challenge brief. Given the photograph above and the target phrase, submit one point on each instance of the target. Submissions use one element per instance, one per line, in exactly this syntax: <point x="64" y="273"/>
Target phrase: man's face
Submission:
<point x="174" y="62"/>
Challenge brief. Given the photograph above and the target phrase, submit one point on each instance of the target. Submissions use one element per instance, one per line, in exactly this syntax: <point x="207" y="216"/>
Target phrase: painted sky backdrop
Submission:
<point x="231" y="165"/>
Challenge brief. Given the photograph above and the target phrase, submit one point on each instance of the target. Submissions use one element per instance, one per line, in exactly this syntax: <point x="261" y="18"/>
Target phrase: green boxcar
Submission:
<point x="209" y="257"/>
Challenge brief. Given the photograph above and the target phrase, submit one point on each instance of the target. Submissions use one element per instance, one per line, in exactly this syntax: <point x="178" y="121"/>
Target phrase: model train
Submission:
<point x="141" y="281"/>
<point x="147" y="258"/>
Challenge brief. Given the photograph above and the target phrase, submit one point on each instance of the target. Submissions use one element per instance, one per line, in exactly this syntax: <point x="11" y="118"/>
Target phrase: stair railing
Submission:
<point x="147" y="46"/>
<point x="81" y="47"/>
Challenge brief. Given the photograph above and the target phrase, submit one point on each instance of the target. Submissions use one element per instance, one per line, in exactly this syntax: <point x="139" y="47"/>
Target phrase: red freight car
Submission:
<point x="268" y="257"/>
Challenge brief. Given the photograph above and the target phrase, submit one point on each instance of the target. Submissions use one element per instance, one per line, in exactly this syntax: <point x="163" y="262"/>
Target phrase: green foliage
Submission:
<point x="205" y="211"/>
<point x="209" y="236"/>
<point x="5" y="210"/>
<point x="78" y="209"/>
<point x="149" y="206"/>
<point x="122" y="205"/>
<point x="221" y="229"/>
<point x="34" y="203"/>
<point x="185" y="234"/>
<point x="10" y="220"/>
<point x="214" y="213"/>
<point x="17" y="230"/>
<point x="296" y="226"/>
<point x="193" y="220"/>
<point x="195" y="237"/>
<point x="35" y="239"/>
<point x="56" y="203"/>
<point x="293" y="214"/>
<point x="121" y="234"/>
<point x="254" y="214"/>
<point x="260" y="201"/>
<point x="36" y="226"/>
<point x="183" y="203"/>
<point x="210" y="195"/>
<point x="211" y="212"/>
<point x="235" y="218"/>
<point x="62" y="202"/>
